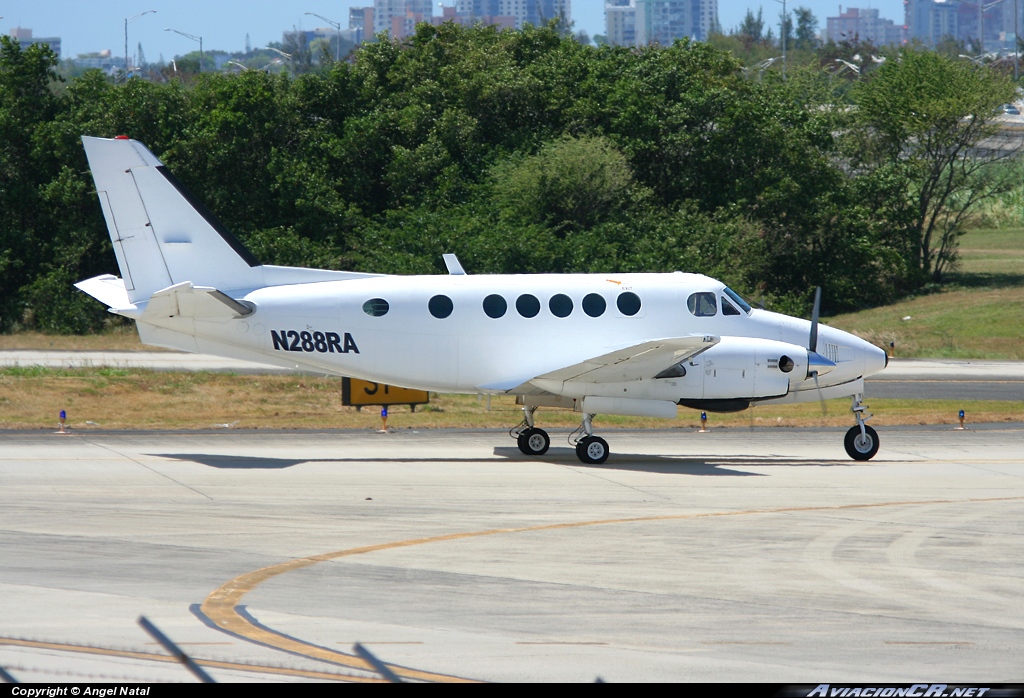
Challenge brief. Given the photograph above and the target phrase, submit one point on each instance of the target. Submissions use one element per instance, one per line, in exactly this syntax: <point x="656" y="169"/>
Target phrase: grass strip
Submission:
<point x="117" y="398"/>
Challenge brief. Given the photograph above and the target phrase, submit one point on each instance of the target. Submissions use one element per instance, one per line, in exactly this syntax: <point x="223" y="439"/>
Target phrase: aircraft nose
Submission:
<point x="875" y="359"/>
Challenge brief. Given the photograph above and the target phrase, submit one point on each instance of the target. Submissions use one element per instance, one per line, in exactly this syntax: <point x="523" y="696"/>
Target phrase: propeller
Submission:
<point x="814" y="359"/>
<point x="812" y="342"/>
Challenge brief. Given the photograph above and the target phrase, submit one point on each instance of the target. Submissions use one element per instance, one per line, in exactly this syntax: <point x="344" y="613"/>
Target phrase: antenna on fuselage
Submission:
<point x="454" y="267"/>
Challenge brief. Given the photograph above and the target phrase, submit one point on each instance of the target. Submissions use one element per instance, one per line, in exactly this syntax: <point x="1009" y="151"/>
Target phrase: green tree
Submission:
<point x="928" y="129"/>
<point x="806" y="29"/>
<point x="26" y="103"/>
<point x="570" y="183"/>
<point x="751" y="29"/>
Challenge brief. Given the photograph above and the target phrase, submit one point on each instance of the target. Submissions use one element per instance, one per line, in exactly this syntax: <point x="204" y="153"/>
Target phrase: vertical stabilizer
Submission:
<point x="161" y="234"/>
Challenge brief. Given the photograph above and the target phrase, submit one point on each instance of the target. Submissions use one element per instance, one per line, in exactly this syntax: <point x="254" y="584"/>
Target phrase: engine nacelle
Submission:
<point x="741" y="367"/>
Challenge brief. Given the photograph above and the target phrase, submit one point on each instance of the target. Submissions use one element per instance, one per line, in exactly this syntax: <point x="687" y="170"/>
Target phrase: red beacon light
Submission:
<point x="121" y="138"/>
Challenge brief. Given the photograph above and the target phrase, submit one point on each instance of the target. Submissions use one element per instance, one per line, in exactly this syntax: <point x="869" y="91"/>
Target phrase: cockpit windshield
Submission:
<point x="739" y="301"/>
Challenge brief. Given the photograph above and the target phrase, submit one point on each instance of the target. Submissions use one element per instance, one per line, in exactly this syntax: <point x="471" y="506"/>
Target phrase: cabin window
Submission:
<point x="495" y="306"/>
<point x="527" y="305"/>
<point x="440" y="307"/>
<point x="560" y="305"/>
<point x="628" y="303"/>
<point x="376" y="307"/>
<point x="729" y="309"/>
<point x="702" y="304"/>
<point x="736" y="297"/>
<point x="594" y="305"/>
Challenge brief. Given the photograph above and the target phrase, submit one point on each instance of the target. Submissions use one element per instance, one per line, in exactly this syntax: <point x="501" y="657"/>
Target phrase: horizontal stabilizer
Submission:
<point x="195" y="302"/>
<point x="107" y="289"/>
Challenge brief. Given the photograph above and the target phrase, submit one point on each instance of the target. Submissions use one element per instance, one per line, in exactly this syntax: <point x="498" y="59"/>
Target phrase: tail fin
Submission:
<point x="161" y="234"/>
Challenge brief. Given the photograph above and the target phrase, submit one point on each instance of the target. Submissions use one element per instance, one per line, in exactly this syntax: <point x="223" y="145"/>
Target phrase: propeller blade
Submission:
<point x="812" y="344"/>
<point x="821" y="397"/>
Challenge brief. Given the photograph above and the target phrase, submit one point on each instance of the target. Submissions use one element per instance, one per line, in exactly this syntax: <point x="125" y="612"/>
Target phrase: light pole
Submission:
<point x="127" y="21"/>
<point x="277" y="51"/>
<point x="846" y="64"/>
<point x="782" y="27"/>
<point x="337" y="27"/>
<point x="194" y="38"/>
<point x="760" y="67"/>
<point x="982" y="6"/>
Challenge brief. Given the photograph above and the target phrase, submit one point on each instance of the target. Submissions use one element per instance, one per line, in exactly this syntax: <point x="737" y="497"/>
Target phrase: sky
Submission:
<point x="93" y="25"/>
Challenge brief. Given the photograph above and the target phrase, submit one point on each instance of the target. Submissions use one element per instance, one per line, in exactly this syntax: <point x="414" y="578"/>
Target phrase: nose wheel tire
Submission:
<point x="533" y="442"/>
<point x="861" y="446"/>
<point x="592" y="450"/>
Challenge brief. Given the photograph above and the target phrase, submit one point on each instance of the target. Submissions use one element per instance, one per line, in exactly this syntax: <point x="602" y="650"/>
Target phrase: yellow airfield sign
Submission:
<point x="357" y="392"/>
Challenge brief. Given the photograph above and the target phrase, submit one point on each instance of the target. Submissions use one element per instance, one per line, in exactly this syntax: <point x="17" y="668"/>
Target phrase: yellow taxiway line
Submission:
<point x="211" y="663"/>
<point x="222" y="604"/>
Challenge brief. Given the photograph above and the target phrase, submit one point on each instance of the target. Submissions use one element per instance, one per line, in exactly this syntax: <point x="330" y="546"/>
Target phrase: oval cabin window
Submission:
<point x="440" y="307"/>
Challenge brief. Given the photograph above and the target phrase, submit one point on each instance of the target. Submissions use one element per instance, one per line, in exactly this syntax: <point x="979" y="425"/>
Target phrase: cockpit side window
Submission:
<point x="702" y="304"/>
<point x="729" y="309"/>
<point x="736" y="297"/>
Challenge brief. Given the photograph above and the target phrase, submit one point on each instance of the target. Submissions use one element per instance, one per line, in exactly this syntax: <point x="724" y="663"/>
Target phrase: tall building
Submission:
<point x="643" y="22"/>
<point x="523" y="12"/>
<point x="400" y="17"/>
<point x="24" y="38"/>
<point x="360" y="24"/>
<point x="931" y="21"/>
<point x="863" y="25"/>
<point x="620" y="22"/>
<point x="451" y="14"/>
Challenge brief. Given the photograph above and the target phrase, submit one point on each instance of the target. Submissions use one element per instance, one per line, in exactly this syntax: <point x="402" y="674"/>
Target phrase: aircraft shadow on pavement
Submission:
<point x="640" y="462"/>
<point x="682" y="465"/>
<point x="229" y="462"/>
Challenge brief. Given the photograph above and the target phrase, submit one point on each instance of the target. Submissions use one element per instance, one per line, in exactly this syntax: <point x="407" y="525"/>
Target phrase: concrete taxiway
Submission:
<point x="736" y="555"/>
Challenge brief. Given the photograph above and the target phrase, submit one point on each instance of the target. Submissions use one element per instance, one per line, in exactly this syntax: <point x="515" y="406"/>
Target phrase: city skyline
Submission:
<point x="88" y="27"/>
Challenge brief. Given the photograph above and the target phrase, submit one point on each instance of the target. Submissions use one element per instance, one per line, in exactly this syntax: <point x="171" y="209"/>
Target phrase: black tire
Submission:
<point x="592" y="450"/>
<point x="859" y="448"/>
<point x="533" y="442"/>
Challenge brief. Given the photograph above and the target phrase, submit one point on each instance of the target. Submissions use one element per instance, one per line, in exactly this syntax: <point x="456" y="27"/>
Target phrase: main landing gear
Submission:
<point x="592" y="450"/>
<point x="532" y="441"/>
<point x="861" y="441"/>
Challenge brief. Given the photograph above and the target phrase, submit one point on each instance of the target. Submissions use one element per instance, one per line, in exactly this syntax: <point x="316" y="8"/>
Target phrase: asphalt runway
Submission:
<point x="736" y="555"/>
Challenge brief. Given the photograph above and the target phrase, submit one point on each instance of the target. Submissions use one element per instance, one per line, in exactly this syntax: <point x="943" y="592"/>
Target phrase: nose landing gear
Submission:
<point x="861" y="441"/>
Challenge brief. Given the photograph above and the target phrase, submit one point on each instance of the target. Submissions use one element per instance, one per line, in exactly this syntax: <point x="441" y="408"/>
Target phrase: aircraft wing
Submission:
<point x="635" y="362"/>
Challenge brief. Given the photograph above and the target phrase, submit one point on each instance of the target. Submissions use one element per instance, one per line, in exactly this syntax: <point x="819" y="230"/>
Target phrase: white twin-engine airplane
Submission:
<point x="629" y="344"/>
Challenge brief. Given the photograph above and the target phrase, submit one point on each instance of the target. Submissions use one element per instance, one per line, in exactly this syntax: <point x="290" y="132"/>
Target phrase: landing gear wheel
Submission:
<point x="861" y="446"/>
<point x="592" y="450"/>
<point x="533" y="442"/>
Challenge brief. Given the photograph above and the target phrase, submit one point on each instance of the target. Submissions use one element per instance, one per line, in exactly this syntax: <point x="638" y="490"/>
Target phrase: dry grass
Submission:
<point x="120" y="339"/>
<point x="31" y="398"/>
